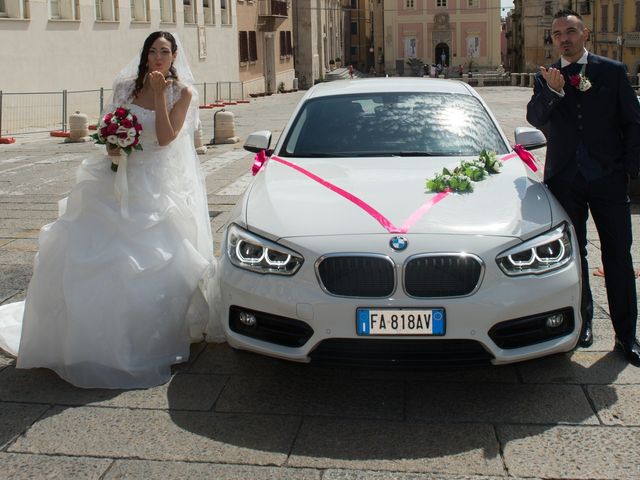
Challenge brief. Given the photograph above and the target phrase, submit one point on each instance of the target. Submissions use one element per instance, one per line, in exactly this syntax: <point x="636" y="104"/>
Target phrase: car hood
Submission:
<point x="307" y="198"/>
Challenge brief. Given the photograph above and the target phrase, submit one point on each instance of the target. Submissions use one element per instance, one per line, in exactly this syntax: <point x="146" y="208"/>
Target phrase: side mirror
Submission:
<point x="258" y="141"/>
<point x="530" y="138"/>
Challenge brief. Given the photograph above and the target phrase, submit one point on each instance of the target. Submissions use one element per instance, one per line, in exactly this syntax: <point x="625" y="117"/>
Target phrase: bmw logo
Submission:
<point x="398" y="243"/>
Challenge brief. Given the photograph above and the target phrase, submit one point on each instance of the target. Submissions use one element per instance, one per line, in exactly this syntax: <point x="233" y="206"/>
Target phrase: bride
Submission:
<point x="124" y="279"/>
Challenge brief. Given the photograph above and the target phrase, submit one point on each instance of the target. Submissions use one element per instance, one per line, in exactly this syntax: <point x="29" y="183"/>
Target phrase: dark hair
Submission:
<point x="142" y="66"/>
<point x="565" y="12"/>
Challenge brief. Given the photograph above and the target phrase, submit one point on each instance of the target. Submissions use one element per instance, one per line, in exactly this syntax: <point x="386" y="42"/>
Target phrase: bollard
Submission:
<point x="523" y="80"/>
<point x="480" y="80"/>
<point x="224" y="127"/>
<point x="532" y="77"/>
<point x="78" y="128"/>
<point x="514" y="79"/>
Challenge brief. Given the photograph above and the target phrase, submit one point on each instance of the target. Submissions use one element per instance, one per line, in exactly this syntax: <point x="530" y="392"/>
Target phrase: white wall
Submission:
<point x="39" y="54"/>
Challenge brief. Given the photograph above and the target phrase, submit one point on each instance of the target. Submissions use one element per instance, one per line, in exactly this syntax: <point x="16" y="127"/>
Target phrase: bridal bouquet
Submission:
<point x="119" y="129"/>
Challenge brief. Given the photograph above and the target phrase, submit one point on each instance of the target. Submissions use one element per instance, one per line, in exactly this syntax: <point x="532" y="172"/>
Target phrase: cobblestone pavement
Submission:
<point x="235" y="415"/>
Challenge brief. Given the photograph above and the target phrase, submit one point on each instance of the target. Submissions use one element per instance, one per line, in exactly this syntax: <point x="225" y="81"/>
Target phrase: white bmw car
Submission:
<point x="392" y="223"/>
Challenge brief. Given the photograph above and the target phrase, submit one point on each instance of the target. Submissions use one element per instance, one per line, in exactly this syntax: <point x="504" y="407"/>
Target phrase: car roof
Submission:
<point x="390" y="84"/>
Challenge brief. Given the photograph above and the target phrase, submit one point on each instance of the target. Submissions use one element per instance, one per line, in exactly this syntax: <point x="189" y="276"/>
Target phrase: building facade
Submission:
<point x="359" y="48"/>
<point x="82" y="44"/>
<point x="451" y="33"/>
<point x="616" y="31"/>
<point x="265" y="46"/>
<point x="318" y="37"/>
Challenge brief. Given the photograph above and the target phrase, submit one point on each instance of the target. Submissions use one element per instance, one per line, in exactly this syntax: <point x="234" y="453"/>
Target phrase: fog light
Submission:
<point x="554" y="321"/>
<point x="248" y="319"/>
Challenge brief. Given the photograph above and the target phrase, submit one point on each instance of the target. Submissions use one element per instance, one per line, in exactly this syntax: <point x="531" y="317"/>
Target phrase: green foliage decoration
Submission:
<point x="462" y="178"/>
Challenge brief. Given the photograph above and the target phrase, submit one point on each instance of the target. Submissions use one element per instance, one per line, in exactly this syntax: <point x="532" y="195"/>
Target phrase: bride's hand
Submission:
<point x="112" y="150"/>
<point x="158" y="82"/>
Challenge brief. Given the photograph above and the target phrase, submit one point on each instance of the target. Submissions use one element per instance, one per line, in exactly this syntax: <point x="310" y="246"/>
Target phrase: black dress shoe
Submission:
<point x="631" y="350"/>
<point x="586" y="336"/>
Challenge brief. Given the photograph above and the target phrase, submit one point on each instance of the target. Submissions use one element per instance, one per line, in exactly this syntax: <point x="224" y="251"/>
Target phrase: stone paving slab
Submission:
<point x="582" y="367"/>
<point x="29" y="467"/>
<point x="160" y="435"/>
<point x="136" y="469"/>
<point x="571" y="452"/>
<point x="616" y="404"/>
<point x="397" y="446"/>
<point x="496" y="403"/>
<point x="189" y="392"/>
<point x="313" y="397"/>
<point x="372" y="475"/>
<point x="15" y="418"/>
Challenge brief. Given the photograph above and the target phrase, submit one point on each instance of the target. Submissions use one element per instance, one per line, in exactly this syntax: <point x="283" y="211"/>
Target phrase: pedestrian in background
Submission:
<point x="589" y="112"/>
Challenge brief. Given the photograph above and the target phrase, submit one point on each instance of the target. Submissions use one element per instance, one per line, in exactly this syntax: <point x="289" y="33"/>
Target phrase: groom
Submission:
<point x="590" y="114"/>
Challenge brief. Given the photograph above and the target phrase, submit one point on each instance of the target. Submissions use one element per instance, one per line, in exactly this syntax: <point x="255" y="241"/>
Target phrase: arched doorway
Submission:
<point x="441" y="55"/>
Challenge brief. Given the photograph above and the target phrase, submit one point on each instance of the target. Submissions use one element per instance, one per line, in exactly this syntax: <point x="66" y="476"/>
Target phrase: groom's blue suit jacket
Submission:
<point x="605" y="119"/>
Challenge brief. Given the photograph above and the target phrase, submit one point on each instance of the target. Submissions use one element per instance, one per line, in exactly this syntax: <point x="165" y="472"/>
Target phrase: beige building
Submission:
<point x="446" y="32"/>
<point x="265" y="45"/>
<point x="616" y="31"/>
<point x="359" y="49"/>
<point x="318" y="37"/>
<point x="529" y="31"/>
<point x="51" y="45"/>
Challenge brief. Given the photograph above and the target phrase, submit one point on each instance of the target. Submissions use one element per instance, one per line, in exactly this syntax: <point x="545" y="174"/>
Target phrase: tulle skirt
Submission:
<point x="121" y="287"/>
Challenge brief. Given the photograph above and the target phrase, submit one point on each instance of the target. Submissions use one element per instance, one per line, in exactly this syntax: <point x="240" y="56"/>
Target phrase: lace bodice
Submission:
<point x="123" y="94"/>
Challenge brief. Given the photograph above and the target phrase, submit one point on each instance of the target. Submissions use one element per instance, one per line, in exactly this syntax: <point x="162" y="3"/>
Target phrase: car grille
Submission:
<point x="442" y="275"/>
<point x="357" y="275"/>
<point x="397" y="352"/>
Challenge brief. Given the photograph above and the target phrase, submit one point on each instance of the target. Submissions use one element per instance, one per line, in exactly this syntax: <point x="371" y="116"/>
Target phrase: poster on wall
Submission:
<point x="473" y="47"/>
<point x="410" y="47"/>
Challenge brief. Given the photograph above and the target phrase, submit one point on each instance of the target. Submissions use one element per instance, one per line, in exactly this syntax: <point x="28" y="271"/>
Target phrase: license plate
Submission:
<point x="403" y="321"/>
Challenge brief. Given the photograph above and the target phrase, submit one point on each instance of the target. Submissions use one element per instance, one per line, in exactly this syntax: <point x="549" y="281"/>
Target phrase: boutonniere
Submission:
<point x="580" y="81"/>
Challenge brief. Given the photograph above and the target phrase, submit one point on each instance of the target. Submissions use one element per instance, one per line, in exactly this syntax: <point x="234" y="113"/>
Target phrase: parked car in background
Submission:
<point x="392" y="223"/>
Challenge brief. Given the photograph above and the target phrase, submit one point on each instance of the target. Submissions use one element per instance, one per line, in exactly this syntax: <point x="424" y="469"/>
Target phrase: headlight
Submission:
<point x="541" y="254"/>
<point x="251" y="252"/>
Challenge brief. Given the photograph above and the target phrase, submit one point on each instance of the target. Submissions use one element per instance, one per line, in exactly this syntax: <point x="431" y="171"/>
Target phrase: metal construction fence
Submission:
<point x="37" y="112"/>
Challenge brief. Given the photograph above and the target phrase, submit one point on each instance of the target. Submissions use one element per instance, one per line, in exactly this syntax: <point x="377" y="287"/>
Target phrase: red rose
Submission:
<point x="135" y="141"/>
<point x="138" y="127"/>
<point x="112" y="128"/>
<point x="121" y="112"/>
<point x="126" y="123"/>
<point x="104" y="132"/>
<point x="574" y="80"/>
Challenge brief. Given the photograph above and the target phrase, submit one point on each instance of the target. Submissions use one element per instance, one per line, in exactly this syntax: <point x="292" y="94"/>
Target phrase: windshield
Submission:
<point x="392" y="124"/>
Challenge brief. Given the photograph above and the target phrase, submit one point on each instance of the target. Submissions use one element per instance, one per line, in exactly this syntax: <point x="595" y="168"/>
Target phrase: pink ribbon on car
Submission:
<point x="526" y="157"/>
<point x="261" y="158"/>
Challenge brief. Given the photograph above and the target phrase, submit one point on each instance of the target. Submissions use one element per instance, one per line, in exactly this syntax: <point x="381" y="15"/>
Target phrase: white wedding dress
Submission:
<point x="124" y="279"/>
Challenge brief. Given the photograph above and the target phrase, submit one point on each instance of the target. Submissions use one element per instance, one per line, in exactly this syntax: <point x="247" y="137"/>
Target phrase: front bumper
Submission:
<point x="324" y="325"/>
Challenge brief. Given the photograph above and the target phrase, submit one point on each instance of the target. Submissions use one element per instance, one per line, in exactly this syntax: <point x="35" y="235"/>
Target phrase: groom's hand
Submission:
<point x="553" y="77"/>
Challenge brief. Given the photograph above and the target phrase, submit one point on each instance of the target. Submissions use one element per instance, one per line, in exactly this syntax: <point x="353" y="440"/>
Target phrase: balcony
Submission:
<point x="632" y="39"/>
<point x="271" y="14"/>
<point x="273" y="8"/>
